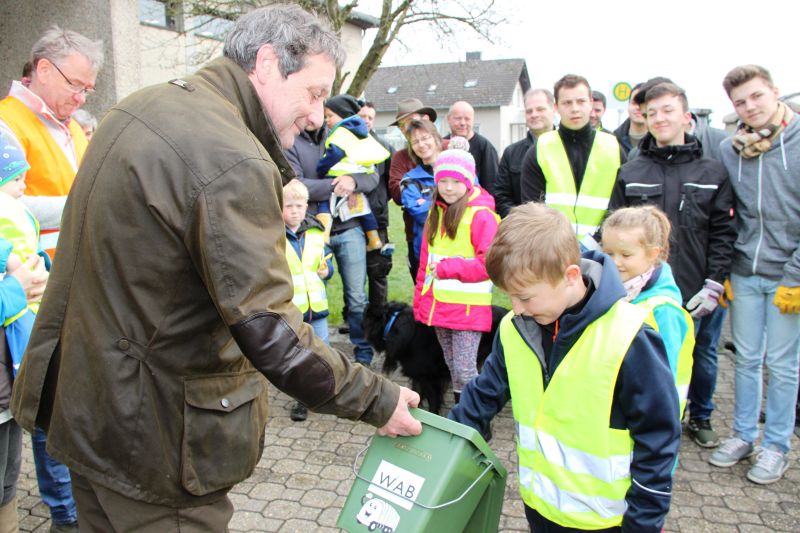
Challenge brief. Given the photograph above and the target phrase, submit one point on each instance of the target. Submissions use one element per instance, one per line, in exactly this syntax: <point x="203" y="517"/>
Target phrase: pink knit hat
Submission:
<point x="456" y="164"/>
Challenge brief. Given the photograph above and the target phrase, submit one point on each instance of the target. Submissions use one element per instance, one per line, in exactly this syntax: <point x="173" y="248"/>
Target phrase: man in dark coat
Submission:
<point x="539" y="114"/>
<point x="461" y="120"/>
<point x="173" y="299"/>
<point x="671" y="173"/>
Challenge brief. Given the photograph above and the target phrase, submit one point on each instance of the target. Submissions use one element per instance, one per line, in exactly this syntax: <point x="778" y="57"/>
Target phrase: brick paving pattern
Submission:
<point x="304" y="476"/>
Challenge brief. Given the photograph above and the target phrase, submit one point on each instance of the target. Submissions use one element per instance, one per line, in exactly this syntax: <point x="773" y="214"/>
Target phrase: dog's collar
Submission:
<point x="390" y="323"/>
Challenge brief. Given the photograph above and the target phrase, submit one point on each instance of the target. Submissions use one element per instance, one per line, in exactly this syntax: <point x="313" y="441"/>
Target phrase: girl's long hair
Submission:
<point x="452" y="216"/>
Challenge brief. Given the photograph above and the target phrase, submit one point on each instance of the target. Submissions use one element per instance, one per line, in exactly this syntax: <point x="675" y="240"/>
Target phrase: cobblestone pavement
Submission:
<point x="304" y="476"/>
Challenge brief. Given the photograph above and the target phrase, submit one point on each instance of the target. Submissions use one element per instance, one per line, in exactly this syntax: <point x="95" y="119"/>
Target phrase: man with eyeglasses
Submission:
<point x="64" y="69"/>
<point x="64" y="66"/>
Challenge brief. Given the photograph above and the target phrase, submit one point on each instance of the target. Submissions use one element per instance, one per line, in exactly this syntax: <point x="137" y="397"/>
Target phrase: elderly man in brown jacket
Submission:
<point x="172" y="299"/>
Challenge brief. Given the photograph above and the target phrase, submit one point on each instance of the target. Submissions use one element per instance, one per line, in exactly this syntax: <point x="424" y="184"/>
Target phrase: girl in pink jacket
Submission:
<point x="453" y="292"/>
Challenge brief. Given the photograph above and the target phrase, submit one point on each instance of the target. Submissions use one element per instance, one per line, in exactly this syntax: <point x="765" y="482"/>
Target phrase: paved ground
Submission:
<point x="305" y="474"/>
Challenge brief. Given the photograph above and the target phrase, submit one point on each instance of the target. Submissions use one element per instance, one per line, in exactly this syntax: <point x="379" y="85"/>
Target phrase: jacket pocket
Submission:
<point x="643" y="193"/>
<point x="223" y="430"/>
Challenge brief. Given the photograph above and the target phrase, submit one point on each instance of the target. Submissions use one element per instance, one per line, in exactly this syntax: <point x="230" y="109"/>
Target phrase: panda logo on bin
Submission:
<point x="377" y="514"/>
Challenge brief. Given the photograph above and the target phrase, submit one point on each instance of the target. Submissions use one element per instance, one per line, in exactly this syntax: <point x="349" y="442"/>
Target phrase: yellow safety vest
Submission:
<point x="51" y="173"/>
<point x="19" y="227"/>
<point x="309" y="289"/>
<point x="452" y="290"/>
<point x="683" y="375"/>
<point x="573" y="469"/>
<point x="586" y="208"/>
<point x="360" y="154"/>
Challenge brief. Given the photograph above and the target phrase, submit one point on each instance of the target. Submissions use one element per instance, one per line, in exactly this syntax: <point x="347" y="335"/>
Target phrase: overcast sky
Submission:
<point x="693" y="42"/>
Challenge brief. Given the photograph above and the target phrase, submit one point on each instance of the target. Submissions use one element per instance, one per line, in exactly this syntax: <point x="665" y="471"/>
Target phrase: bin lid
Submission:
<point x="463" y="431"/>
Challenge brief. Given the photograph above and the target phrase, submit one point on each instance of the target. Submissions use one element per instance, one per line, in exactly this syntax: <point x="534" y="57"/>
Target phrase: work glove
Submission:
<point x="787" y="299"/>
<point x="706" y="300"/>
<point x="726" y="297"/>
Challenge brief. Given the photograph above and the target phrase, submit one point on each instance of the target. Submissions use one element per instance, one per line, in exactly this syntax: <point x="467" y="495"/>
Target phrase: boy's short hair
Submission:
<point x="744" y="73"/>
<point x="568" y="82"/>
<point x="295" y="190"/>
<point x="664" y="89"/>
<point x="534" y="243"/>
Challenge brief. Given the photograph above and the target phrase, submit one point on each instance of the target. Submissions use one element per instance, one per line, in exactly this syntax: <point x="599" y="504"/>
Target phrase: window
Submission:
<point x="211" y="27"/>
<point x="160" y="13"/>
<point x="392" y="89"/>
<point x="518" y="131"/>
<point x="469" y="84"/>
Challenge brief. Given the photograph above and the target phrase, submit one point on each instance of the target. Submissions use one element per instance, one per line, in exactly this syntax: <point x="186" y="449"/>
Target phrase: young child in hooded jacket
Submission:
<point x="350" y="149"/>
<point x="453" y="292"/>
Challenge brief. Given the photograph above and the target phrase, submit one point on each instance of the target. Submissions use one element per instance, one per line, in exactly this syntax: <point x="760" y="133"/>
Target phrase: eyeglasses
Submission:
<point x="72" y="87"/>
<point x="421" y="139"/>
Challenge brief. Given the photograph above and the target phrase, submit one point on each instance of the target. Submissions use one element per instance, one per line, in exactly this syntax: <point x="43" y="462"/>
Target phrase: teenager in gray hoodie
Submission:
<point x="763" y="161"/>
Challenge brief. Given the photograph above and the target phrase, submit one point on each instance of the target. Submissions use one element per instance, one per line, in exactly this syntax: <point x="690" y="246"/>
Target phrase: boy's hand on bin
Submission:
<point x="402" y="424"/>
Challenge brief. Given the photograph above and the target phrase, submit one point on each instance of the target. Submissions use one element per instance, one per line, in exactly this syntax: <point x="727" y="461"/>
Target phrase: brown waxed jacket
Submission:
<point x="171" y="300"/>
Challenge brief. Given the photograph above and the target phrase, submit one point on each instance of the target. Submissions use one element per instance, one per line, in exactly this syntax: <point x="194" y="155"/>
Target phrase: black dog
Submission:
<point x="415" y="349"/>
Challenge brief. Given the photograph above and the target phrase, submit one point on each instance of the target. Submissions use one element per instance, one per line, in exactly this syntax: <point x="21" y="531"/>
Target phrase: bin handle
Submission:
<point x="489" y="466"/>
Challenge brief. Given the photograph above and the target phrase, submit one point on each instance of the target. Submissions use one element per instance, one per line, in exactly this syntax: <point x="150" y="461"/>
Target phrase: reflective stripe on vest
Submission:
<point x="574" y="469"/>
<point x="309" y="289"/>
<point x="683" y="375"/>
<point x="585" y="208"/>
<point x="360" y="154"/>
<point x="443" y="247"/>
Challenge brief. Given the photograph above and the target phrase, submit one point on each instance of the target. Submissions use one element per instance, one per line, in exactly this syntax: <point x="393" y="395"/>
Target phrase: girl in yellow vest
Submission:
<point x="453" y="292"/>
<point x="637" y="239"/>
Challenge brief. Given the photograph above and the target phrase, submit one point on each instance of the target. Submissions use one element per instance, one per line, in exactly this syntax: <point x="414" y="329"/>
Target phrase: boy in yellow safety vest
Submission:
<point x="310" y="264"/>
<point x="595" y="405"/>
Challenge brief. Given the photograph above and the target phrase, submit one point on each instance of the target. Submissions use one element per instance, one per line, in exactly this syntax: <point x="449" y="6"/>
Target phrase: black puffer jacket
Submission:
<point x="507" y="189"/>
<point x="697" y="197"/>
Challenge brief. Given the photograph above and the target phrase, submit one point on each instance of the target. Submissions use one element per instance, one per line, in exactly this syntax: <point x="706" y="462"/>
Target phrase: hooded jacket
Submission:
<point x="172" y="300"/>
<point x="671" y="324"/>
<point x="459" y="316"/>
<point x="696" y="195"/>
<point x="767" y="190"/>
<point x="645" y="399"/>
<point x="417" y="188"/>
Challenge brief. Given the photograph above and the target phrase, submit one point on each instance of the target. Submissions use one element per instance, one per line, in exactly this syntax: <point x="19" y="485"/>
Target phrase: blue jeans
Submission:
<point x="55" y="485"/>
<point x="350" y="251"/>
<point x="320" y="327"/>
<point x="761" y="333"/>
<point x="707" y="331"/>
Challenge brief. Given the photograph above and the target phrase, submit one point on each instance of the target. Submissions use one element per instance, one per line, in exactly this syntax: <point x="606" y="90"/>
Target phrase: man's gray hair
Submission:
<point x="57" y="44"/>
<point x="547" y="94"/>
<point x="293" y="33"/>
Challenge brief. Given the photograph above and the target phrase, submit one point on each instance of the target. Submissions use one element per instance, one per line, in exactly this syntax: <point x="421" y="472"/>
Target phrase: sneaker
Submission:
<point x="769" y="467"/>
<point x="731" y="452"/>
<point x="72" y="527"/>
<point x="299" y="412"/>
<point x="702" y="434"/>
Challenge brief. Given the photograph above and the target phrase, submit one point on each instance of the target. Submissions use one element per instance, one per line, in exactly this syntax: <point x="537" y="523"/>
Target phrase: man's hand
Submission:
<point x="402" y="424"/>
<point x="706" y="300"/>
<point x="787" y="299"/>
<point x="343" y="185"/>
<point x="32" y="276"/>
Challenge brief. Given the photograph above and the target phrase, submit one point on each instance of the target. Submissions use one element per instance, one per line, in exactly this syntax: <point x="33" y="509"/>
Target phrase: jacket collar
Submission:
<point x="681" y="153"/>
<point x="234" y="85"/>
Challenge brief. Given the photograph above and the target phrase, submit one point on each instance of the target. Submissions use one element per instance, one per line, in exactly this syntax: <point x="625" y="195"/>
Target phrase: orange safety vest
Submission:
<point x="51" y="173"/>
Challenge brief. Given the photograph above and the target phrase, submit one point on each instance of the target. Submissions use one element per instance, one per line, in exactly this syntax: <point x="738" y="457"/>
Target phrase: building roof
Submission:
<point x="481" y="83"/>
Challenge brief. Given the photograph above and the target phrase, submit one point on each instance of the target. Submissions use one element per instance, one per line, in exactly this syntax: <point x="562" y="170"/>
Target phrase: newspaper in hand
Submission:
<point x="341" y="208"/>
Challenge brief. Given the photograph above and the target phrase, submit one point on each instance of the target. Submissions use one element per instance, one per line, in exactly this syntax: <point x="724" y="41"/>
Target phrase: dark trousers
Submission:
<point x="540" y="524"/>
<point x="378" y="268"/>
<point x="10" y="450"/>
<point x="101" y="510"/>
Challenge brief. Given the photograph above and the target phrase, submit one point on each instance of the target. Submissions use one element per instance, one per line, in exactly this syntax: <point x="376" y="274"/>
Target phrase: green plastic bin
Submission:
<point x="445" y="479"/>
